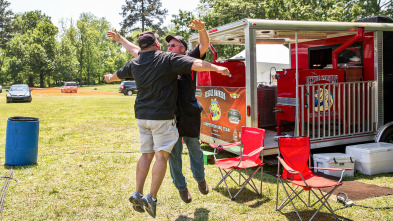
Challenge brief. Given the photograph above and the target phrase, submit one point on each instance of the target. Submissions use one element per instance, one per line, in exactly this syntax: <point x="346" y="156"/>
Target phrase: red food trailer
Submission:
<point x="336" y="90"/>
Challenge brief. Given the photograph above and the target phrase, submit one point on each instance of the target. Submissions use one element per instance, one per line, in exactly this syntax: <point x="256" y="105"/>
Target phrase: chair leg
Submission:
<point x="278" y="177"/>
<point x="289" y="199"/>
<point x="251" y="176"/>
<point x="317" y="196"/>
<point x="242" y="184"/>
<point x="261" y="179"/>
<point x="297" y="194"/>
<point x="237" y="183"/>
<point x="325" y="203"/>
<point x="240" y="175"/>
<point x="247" y="181"/>
<point x="223" y="179"/>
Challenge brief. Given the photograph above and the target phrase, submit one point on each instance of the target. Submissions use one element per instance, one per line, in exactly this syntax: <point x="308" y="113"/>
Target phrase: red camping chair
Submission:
<point x="251" y="149"/>
<point x="295" y="152"/>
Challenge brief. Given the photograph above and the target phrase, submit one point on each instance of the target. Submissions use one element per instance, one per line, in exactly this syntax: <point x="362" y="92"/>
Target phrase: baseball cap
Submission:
<point x="147" y="39"/>
<point x="178" y="38"/>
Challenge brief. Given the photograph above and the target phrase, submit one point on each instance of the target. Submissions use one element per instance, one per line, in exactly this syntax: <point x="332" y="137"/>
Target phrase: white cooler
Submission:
<point x="334" y="160"/>
<point x="372" y="158"/>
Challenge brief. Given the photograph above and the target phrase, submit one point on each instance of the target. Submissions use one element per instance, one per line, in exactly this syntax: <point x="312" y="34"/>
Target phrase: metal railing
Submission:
<point x="337" y="109"/>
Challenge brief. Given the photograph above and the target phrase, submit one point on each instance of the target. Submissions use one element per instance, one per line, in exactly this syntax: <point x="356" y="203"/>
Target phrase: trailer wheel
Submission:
<point x="387" y="135"/>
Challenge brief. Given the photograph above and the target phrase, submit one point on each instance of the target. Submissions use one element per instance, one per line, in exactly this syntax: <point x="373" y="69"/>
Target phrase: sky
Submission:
<point x="110" y="9"/>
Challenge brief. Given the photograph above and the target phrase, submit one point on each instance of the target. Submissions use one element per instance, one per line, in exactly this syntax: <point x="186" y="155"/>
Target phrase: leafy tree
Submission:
<point x="35" y="45"/>
<point x="67" y="63"/>
<point x="85" y="44"/>
<point x="180" y="24"/>
<point x="93" y="49"/>
<point x="142" y="14"/>
<point x="6" y="17"/>
<point x="220" y="12"/>
<point x="17" y="68"/>
<point x="367" y="8"/>
<point x="224" y="11"/>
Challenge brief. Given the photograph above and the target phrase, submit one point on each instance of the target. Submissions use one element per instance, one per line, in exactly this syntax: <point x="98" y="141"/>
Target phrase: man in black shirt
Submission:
<point x="155" y="73"/>
<point x="188" y="117"/>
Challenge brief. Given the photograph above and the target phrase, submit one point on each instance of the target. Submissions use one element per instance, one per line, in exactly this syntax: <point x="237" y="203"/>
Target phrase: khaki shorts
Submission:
<point x="156" y="135"/>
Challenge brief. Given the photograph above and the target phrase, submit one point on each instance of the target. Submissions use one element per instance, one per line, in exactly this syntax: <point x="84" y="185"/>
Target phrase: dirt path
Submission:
<point x="56" y="92"/>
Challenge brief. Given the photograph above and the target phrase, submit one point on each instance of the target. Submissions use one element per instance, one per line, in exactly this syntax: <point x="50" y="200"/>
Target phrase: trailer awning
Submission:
<point x="283" y="31"/>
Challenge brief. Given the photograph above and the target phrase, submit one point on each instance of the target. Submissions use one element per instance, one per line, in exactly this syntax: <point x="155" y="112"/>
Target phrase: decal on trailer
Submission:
<point x="323" y="100"/>
<point x="224" y="111"/>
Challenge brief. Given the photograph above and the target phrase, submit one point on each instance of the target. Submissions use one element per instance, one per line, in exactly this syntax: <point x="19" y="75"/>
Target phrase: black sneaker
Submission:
<point x="203" y="187"/>
<point x="136" y="200"/>
<point x="185" y="196"/>
<point x="150" y="205"/>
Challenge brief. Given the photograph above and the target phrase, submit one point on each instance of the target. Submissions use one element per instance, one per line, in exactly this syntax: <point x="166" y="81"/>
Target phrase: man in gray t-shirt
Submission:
<point x="155" y="73"/>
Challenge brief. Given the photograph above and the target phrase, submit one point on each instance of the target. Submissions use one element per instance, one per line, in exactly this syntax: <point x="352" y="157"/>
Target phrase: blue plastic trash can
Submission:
<point x="21" y="145"/>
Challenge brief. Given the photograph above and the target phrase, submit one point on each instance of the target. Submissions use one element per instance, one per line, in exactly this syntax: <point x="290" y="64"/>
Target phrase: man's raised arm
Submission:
<point x="130" y="47"/>
<point x="203" y="36"/>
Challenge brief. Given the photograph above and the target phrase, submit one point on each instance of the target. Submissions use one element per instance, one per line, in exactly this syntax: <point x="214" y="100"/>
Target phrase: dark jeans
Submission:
<point x="196" y="162"/>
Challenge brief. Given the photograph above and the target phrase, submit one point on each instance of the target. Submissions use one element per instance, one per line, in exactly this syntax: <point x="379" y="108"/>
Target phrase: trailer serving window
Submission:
<point x="321" y="57"/>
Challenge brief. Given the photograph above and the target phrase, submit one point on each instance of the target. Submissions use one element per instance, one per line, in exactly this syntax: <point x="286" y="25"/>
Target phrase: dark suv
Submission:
<point x="128" y="88"/>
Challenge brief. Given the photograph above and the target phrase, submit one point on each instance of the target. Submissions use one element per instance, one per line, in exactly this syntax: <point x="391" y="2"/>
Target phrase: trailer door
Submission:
<point x="388" y="75"/>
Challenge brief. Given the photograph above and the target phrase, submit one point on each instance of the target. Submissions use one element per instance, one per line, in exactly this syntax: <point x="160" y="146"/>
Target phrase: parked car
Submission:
<point x="19" y="93"/>
<point x="1" y="89"/>
<point x="69" y="87"/>
<point x="128" y="88"/>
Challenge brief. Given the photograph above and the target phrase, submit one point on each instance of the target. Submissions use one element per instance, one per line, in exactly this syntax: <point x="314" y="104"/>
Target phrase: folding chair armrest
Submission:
<point x="224" y="146"/>
<point x="257" y="151"/>
<point x="288" y="168"/>
<point x="331" y="169"/>
<point x="291" y="171"/>
<point x="334" y="169"/>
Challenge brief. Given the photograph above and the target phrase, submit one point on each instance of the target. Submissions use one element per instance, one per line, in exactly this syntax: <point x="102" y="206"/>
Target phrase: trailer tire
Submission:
<point x="387" y="135"/>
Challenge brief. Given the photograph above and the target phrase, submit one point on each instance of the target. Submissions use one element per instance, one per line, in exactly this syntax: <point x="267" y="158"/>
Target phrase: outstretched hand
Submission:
<point x="224" y="71"/>
<point x="108" y="78"/>
<point x="198" y="25"/>
<point x="114" y="36"/>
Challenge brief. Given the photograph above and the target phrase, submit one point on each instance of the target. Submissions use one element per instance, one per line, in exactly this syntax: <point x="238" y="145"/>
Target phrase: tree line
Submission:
<point x="36" y="52"/>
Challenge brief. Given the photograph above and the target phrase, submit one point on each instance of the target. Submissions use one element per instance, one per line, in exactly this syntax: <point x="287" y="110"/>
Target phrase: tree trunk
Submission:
<point x="81" y="67"/>
<point x="31" y="81"/>
<point x="41" y="80"/>
<point x="143" y="17"/>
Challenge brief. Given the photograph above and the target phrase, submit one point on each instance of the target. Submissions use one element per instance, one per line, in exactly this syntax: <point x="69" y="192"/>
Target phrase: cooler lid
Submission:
<point x="334" y="157"/>
<point x="372" y="147"/>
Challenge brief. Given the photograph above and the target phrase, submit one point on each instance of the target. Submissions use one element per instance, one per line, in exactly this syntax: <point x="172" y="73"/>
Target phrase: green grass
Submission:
<point x="88" y="150"/>
<point x="113" y="87"/>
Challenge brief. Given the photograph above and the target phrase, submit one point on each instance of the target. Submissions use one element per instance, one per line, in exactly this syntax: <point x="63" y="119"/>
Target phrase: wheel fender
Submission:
<point x="381" y="130"/>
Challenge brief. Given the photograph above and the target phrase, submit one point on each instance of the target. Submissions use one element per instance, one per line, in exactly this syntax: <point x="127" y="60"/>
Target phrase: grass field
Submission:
<point x="88" y="150"/>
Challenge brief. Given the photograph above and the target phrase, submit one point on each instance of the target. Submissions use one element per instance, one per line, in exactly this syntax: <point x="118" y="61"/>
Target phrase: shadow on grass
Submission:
<point x="19" y="167"/>
<point x="307" y="214"/>
<point x="199" y="214"/>
<point x="244" y="196"/>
